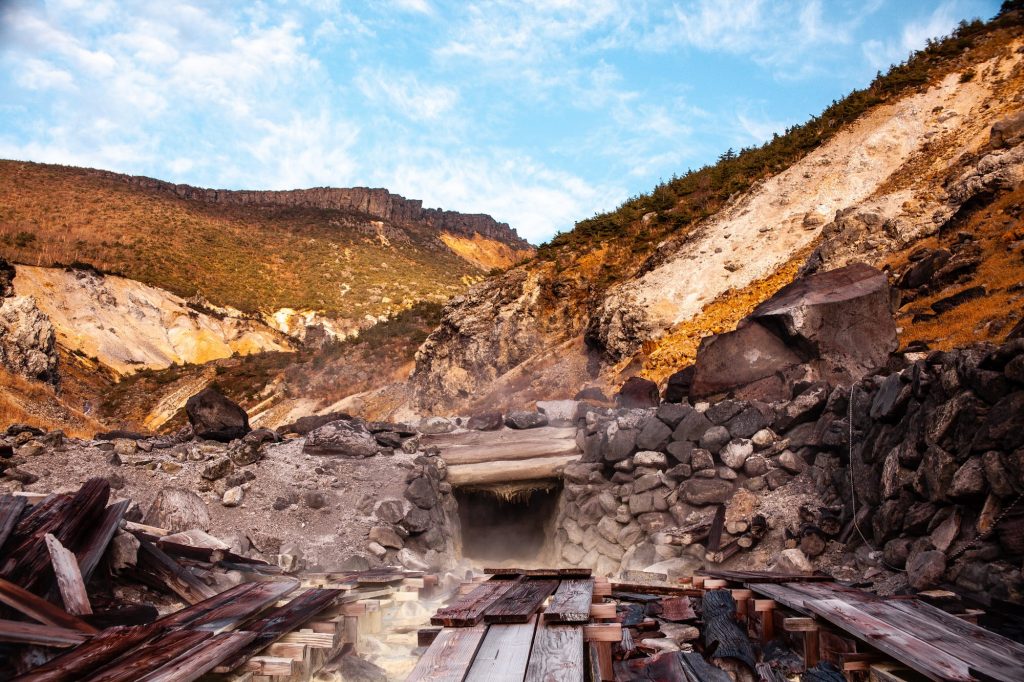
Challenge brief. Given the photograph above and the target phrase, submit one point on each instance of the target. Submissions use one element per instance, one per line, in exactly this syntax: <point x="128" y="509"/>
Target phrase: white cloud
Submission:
<point x="421" y="6"/>
<point x="37" y="74"/>
<point x="880" y="54"/>
<point x="405" y="93"/>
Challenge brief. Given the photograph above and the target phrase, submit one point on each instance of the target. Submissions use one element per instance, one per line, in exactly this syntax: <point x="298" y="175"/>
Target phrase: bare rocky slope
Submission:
<point x="937" y="152"/>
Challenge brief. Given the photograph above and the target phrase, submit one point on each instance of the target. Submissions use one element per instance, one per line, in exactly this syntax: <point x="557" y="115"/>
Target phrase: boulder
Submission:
<point x="559" y="412"/>
<point x="214" y="416"/>
<point x="177" y="510"/>
<point x="486" y="421"/>
<point x="1007" y="132"/>
<point x="747" y="423"/>
<point x="28" y="343"/>
<point x="637" y="392"/>
<point x="838" y="324"/>
<point x="341" y="438"/>
<point x="702" y="491"/>
<point x="655" y="435"/>
<point x="793" y="561"/>
<point x="422" y="492"/>
<point x="925" y="569"/>
<point x="525" y="420"/>
<point x="692" y="427"/>
<point x="673" y="413"/>
<point x="435" y="425"/>
<point x="677" y="390"/>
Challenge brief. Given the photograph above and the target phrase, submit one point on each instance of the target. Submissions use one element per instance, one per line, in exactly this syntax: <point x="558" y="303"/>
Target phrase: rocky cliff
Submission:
<point x="919" y="165"/>
<point x="376" y="202"/>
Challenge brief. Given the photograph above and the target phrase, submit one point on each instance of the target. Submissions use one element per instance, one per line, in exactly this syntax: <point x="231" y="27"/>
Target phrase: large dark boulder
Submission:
<point x="677" y="389"/>
<point x="638" y="392"/>
<point x="214" y="416"/>
<point x="836" y="325"/>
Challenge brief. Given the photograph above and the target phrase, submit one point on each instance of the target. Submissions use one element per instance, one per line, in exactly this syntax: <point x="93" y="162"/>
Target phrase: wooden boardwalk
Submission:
<point x="500" y="630"/>
<point x="926" y="639"/>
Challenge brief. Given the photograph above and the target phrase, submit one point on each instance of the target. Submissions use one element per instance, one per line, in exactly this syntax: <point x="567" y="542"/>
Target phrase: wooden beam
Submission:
<point x="171" y="574"/>
<point x="69" y="578"/>
<point x="602" y="632"/>
<point x="799" y="625"/>
<point x="83" y="659"/>
<point x="469" y="609"/>
<point x="41" y="610"/>
<point x="602" y="610"/>
<point x="95" y="545"/>
<point x="11" y="507"/>
<point x="196" y="662"/>
<point x="489" y="473"/>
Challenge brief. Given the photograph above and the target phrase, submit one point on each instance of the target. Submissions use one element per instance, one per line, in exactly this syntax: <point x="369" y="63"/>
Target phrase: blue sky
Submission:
<point x="539" y="113"/>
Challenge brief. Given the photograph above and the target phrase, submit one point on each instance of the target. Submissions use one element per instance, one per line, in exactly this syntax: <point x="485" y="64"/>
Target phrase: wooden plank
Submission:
<point x="101" y="649"/>
<point x="11" y="507"/>
<point x="504" y="653"/>
<point x="448" y="659"/>
<point x="269" y="666"/>
<point x="783" y="594"/>
<point x="540" y="572"/>
<point x="663" y="590"/>
<point x="677" y="609"/>
<point x="465" y="439"/>
<point x="919" y="655"/>
<point x="603" y="610"/>
<point x="765" y="577"/>
<point x="557" y="654"/>
<point x="602" y="632"/>
<point x="41" y="610"/>
<point x="521" y="602"/>
<point x="527" y="449"/>
<point x="148" y="657"/>
<point x="230" y="613"/>
<point x="715" y="530"/>
<point x="95" y="545"/>
<point x="69" y="578"/>
<point x="171" y="574"/>
<point x="469" y="609"/>
<point x="571" y="602"/>
<point x="281" y="620"/>
<point x="198" y="661"/>
<point x="988" y="652"/>
<point x="18" y="632"/>
<point x="799" y="624"/>
<point x="489" y="473"/>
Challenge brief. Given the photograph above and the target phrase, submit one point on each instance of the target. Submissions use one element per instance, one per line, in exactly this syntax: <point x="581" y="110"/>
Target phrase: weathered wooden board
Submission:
<point x="783" y="594"/>
<point x="509" y="471"/>
<point x="571" y="602"/>
<point x="540" y="572"/>
<point x="148" y="657"/>
<point x="498" y="438"/>
<point x="469" y="609"/>
<point x="41" y="610"/>
<point x="69" y="578"/>
<point x="11" y="507"/>
<point x="95" y="544"/>
<point x="677" y="609"/>
<point x="196" y="662"/>
<point x="251" y="602"/>
<point x="557" y="654"/>
<point x="450" y="656"/>
<point x="167" y="571"/>
<point x="766" y="577"/>
<point x="525" y="449"/>
<point x="100" y="650"/>
<point x="904" y="647"/>
<point x="521" y="602"/>
<point x="504" y="653"/>
<point x="19" y="632"/>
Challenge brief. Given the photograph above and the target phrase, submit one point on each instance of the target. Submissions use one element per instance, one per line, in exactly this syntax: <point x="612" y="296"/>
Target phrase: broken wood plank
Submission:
<point x="504" y="653"/>
<point x="540" y="572"/>
<point x="487" y="473"/>
<point x="904" y="647"/>
<point x="715" y="531"/>
<point x="525" y="449"/>
<point x="101" y="649"/>
<point x="18" y="632"/>
<point x="231" y="612"/>
<point x="198" y="661"/>
<point x="11" y="507"/>
<point x="556" y="654"/>
<point x="148" y="657"/>
<point x="571" y="602"/>
<point x="269" y="666"/>
<point x="469" y="609"/>
<point x="450" y="656"/>
<point x="95" y="545"/>
<point x="677" y="609"/>
<point x="41" y="610"/>
<point x="69" y="578"/>
<point x="172" y="575"/>
<point x="519" y="603"/>
<point x="281" y="620"/>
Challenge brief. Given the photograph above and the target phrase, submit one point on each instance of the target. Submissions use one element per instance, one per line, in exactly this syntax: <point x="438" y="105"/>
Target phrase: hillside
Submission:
<point x="873" y="178"/>
<point x="354" y="255"/>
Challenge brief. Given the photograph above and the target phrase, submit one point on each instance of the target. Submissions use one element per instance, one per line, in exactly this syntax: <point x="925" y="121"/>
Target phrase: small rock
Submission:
<point x="791" y="462"/>
<point x="735" y="454"/>
<point x="435" y="425"/>
<point x="793" y="561"/>
<point x="763" y="438"/>
<point x="702" y="491"/>
<point x="486" y="421"/>
<point x="412" y="561"/>
<point x="714" y="439"/>
<point x="650" y="459"/>
<point x="559" y="412"/>
<point x="386" y="537"/>
<point x="925" y="569"/>
<point x="376" y="550"/>
<point x="701" y="459"/>
<point x="217" y="469"/>
<point x="756" y="466"/>
<point x="233" y="496"/>
<point x="123" y="552"/>
<point x="124" y="447"/>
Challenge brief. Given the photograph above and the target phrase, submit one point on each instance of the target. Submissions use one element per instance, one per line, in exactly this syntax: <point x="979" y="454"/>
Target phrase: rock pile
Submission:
<point x="28" y="345"/>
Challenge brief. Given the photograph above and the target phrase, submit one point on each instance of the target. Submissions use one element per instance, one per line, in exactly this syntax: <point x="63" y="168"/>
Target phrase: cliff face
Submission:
<point x="377" y="202"/>
<point x="906" y="172"/>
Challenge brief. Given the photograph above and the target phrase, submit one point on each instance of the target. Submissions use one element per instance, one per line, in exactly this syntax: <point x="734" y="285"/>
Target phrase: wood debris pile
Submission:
<point x="63" y="619"/>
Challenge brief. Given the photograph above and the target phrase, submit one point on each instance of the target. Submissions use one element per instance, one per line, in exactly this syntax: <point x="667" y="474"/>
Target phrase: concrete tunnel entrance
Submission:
<point x="501" y="526"/>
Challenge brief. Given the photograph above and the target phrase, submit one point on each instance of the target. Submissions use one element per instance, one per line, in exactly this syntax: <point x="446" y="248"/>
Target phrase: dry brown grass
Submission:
<point x="31" y="402"/>
<point x="1001" y="237"/>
